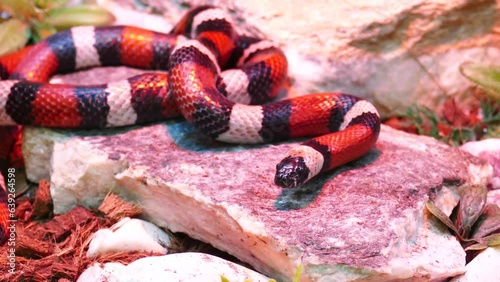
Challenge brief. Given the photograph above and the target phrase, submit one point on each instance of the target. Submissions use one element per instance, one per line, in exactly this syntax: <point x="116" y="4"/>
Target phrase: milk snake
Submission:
<point x="216" y="79"/>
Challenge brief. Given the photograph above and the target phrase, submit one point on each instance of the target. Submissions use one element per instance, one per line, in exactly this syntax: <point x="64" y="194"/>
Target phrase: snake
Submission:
<point x="221" y="80"/>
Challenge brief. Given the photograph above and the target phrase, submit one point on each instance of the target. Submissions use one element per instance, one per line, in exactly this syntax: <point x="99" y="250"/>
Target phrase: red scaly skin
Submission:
<point x="136" y="48"/>
<point x="41" y="65"/>
<point x="10" y="61"/>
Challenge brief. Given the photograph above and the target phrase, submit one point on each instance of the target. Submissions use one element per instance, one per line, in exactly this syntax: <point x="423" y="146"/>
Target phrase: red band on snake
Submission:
<point x="215" y="80"/>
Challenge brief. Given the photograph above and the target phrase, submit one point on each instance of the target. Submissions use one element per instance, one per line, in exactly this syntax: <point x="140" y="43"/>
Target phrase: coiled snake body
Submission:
<point x="215" y="80"/>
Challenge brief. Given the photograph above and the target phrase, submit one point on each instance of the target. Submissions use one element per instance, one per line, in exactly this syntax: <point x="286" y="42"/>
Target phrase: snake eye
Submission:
<point x="291" y="172"/>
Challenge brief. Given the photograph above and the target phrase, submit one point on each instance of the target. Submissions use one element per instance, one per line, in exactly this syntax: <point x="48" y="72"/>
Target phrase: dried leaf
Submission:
<point x="65" y="18"/>
<point x="476" y="247"/>
<point x="440" y="215"/>
<point x="488" y="77"/>
<point x="490" y="241"/>
<point x="488" y="223"/>
<point x="14" y="35"/>
<point x="471" y="206"/>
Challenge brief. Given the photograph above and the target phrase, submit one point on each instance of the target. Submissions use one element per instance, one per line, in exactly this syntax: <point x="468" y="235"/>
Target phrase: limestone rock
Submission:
<point x="488" y="150"/>
<point x="365" y="220"/>
<point x="494" y="197"/>
<point x="482" y="268"/>
<point x="129" y="235"/>
<point x="184" y="267"/>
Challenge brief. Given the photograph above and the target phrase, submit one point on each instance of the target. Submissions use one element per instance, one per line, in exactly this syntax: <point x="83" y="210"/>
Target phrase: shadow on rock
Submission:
<point x="303" y="196"/>
<point x="187" y="136"/>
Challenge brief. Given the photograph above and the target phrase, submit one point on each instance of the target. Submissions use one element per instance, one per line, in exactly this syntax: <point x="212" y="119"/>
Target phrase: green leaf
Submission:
<point x="490" y="111"/>
<point x="14" y="35"/>
<point x="43" y="30"/>
<point x="488" y="77"/>
<point x="298" y="272"/>
<point x="50" y="4"/>
<point x="488" y="223"/>
<point x="471" y="206"/>
<point x="476" y="247"/>
<point x="68" y="17"/>
<point x="490" y="241"/>
<point x="440" y="215"/>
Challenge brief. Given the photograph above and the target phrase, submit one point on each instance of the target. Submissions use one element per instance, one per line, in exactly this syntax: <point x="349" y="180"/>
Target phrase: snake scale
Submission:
<point x="217" y="79"/>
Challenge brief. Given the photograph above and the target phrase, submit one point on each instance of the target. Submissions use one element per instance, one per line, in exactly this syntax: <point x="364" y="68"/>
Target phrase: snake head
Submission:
<point x="291" y="172"/>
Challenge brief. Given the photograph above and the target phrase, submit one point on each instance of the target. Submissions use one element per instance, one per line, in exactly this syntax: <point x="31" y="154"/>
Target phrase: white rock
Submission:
<point x="188" y="267"/>
<point x="483" y="268"/>
<point x="129" y="235"/>
<point x="255" y="223"/>
<point x="107" y="273"/>
<point x="36" y="147"/>
<point x="71" y="169"/>
<point x="488" y="150"/>
<point x="494" y="197"/>
<point x="477" y="147"/>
